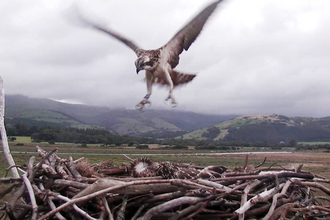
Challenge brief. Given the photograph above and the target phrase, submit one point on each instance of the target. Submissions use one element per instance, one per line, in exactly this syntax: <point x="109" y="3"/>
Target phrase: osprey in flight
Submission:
<point x="159" y="64"/>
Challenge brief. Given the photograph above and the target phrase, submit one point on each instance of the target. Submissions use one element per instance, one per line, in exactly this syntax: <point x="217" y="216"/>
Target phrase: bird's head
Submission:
<point x="144" y="63"/>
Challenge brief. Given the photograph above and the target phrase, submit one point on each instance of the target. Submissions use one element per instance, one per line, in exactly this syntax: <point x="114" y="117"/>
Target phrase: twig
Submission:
<point x="265" y="176"/>
<point x="79" y="210"/>
<point x="311" y="184"/>
<point x="247" y="190"/>
<point x="72" y="167"/>
<point x="199" y="210"/>
<point x="61" y="182"/>
<point x="139" y="211"/>
<point x="275" y="198"/>
<point x="44" y="156"/>
<point x="32" y="197"/>
<point x="121" y="212"/>
<point x="134" y="189"/>
<point x="262" y="163"/>
<point x="165" y="196"/>
<point x="309" y="208"/>
<point x="215" y="185"/>
<point x="170" y="204"/>
<point x="260" y="197"/>
<point x="51" y="203"/>
<point x="246" y="161"/>
<point x="107" y="208"/>
<point x="99" y="193"/>
<point x="298" y="169"/>
<point x="30" y="168"/>
<point x="128" y="158"/>
<point x="10" y="179"/>
<point x="189" y="209"/>
<point x="281" y="211"/>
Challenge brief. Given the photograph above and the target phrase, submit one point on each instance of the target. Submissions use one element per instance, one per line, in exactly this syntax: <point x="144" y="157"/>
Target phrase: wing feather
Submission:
<point x="101" y="27"/>
<point x="188" y="34"/>
<point x="119" y="37"/>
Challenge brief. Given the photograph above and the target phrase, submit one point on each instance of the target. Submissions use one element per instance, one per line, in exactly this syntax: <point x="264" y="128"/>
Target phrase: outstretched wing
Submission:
<point x="188" y="34"/>
<point x="119" y="37"/>
<point x="101" y="27"/>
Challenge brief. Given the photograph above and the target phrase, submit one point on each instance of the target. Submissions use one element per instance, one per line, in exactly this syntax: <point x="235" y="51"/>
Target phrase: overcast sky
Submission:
<point x="252" y="57"/>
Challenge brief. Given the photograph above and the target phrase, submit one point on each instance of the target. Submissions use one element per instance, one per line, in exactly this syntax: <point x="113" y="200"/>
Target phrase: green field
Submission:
<point x="23" y="139"/>
<point x="314" y="143"/>
<point x="96" y="153"/>
<point x="316" y="161"/>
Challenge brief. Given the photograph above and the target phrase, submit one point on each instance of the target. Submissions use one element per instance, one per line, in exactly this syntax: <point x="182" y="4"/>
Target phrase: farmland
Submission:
<point x="317" y="161"/>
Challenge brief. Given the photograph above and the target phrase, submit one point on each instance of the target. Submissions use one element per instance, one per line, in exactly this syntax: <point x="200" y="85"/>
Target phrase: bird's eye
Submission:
<point x="149" y="63"/>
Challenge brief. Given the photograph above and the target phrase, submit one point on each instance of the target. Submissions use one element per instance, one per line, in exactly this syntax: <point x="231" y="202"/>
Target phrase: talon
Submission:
<point x="139" y="107"/>
<point x="174" y="104"/>
<point x="141" y="104"/>
<point x="166" y="100"/>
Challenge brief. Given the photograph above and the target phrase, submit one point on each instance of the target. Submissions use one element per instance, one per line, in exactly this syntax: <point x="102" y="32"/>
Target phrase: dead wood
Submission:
<point x="4" y="139"/>
<point x="57" y="188"/>
<point x="129" y="190"/>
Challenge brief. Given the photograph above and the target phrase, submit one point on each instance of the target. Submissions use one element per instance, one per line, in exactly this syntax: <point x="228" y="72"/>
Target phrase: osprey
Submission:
<point x="144" y="167"/>
<point x="159" y="64"/>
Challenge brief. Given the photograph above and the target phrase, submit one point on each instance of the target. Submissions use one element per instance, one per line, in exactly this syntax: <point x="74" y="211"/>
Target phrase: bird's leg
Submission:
<point x="170" y="95"/>
<point x="145" y="99"/>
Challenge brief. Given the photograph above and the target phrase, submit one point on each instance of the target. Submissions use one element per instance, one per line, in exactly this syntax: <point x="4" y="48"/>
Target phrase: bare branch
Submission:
<point x="4" y="138"/>
<point x="32" y="197"/>
<point x="170" y="204"/>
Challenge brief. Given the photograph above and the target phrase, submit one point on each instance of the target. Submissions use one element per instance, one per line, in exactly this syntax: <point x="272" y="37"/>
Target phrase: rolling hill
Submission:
<point x="156" y="123"/>
<point x="166" y="123"/>
<point x="266" y="128"/>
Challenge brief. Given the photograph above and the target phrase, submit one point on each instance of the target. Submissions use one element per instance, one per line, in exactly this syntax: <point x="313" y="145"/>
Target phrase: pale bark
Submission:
<point x="4" y="138"/>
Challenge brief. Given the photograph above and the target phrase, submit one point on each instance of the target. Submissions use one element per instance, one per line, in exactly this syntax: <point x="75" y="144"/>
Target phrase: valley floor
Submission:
<point x="314" y="161"/>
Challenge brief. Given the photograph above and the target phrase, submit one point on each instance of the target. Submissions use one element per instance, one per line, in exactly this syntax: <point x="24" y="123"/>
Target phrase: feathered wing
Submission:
<point x="119" y="37"/>
<point x="101" y="27"/>
<point x="112" y="33"/>
<point x="188" y="34"/>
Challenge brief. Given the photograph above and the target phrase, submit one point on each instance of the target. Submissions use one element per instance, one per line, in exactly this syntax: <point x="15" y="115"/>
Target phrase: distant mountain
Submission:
<point x="155" y="123"/>
<point x="266" y="128"/>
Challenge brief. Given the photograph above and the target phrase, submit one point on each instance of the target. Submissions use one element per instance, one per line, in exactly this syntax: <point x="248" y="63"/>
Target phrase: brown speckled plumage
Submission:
<point x="169" y="170"/>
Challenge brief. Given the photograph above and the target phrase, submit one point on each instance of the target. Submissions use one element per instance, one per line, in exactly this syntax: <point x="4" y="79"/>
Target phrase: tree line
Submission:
<point x="73" y="135"/>
<point x="106" y="138"/>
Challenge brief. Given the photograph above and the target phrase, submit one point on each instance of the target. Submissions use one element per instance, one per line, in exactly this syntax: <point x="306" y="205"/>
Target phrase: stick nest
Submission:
<point x="57" y="188"/>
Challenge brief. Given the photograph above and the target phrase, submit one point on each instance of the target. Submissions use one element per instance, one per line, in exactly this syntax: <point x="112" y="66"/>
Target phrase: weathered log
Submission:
<point x="129" y="190"/>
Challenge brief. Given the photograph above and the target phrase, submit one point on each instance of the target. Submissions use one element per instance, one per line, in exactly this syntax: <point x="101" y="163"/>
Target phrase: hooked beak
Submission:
<point x="139" y="63"/>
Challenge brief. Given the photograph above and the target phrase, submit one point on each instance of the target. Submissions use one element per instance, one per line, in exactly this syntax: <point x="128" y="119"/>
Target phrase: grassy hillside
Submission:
<point x="150" y="123"/>
<point x="41" y="117"/>
<point x="266" y="128"/>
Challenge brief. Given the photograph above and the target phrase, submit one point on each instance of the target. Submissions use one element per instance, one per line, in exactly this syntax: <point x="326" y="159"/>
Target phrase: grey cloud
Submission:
<point x="253" y="57"/>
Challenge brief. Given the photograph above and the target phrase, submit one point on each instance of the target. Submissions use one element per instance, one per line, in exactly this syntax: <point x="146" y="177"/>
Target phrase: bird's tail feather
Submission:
<point x="177" y="78"/>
